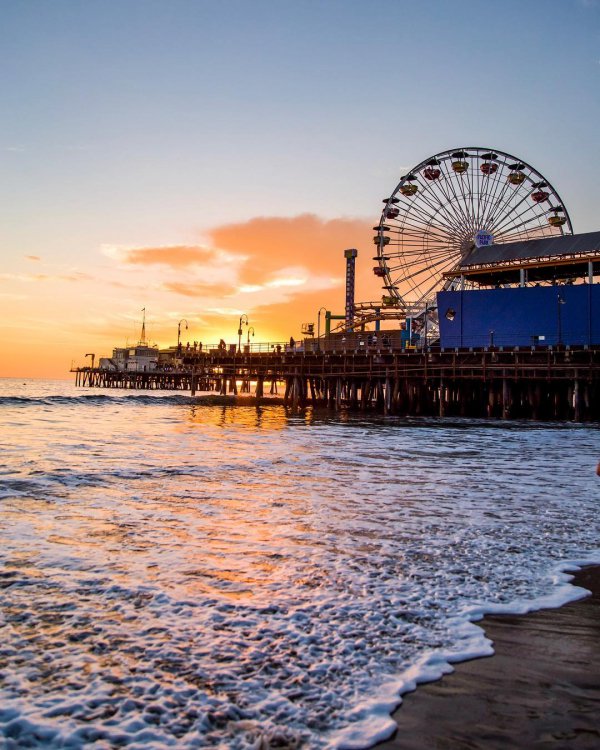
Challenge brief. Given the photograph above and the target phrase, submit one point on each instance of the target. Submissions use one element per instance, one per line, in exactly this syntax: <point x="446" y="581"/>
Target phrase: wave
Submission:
<point x="95" y="398"/>
<point x="374" y="422"/>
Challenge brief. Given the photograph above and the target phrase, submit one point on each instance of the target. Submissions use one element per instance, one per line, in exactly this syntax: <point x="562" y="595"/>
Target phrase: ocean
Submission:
<point x="180" y="574"/>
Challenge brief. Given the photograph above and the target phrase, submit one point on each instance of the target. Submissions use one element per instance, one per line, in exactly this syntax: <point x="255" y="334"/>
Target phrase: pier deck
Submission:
<point x="548" y="383"/>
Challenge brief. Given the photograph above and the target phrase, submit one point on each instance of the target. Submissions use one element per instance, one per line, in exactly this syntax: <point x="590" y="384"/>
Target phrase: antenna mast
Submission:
<point x="142" y="341"/>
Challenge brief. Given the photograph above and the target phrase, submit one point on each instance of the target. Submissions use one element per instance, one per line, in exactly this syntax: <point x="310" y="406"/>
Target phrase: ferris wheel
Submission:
<point x="450" y="205"/>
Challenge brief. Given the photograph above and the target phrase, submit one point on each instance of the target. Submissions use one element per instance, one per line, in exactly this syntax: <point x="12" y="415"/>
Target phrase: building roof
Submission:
<point x="545" y="259"/>
<point x="546" y="247"/>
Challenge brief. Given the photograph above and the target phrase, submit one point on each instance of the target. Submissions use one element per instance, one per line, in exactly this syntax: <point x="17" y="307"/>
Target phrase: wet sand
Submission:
<point x="541" y="689"/>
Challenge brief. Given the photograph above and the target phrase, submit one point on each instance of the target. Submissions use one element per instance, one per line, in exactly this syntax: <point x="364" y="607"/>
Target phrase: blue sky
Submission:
<point x="144" y="123"/>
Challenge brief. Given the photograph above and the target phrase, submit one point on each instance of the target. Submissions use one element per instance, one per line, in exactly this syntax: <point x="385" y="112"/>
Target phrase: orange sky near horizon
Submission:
<point x="207" y="160"/>
<point x="277" y="270"/>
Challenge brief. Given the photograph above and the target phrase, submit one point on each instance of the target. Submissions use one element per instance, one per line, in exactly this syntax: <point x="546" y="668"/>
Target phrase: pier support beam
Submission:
<point x="442" y="399"/>
<point x="576" y="401"/>
<point x="506" y="399"/>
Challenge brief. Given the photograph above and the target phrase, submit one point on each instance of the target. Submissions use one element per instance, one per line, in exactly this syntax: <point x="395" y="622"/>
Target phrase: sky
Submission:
<point x="209" y="160"/>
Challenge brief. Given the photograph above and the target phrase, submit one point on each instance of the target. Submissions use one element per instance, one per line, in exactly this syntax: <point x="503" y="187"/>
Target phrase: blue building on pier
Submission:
<point x="532" y="293"/>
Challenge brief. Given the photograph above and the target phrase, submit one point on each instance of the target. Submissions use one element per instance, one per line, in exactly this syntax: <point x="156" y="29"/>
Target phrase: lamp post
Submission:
<point x="250" y="328"/>
<point x="319" y="326"/>
<point x="183" y="320"/>
<point x="559" y="301"/>
<point x="428" y="308"/>
<point x="243" y="320"/>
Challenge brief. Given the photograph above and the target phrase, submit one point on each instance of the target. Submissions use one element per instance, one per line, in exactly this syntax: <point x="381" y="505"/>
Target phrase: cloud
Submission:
<point x="203" y="268"/>
<point x="36" y="277"/>
<point x="187" y="288"/>
<point x="27" y="278"/>
<point x="174" y="256"/>
<point x="48" y="279"/>
<point x="75" y="276"/>
<point x="276" y="269"/>
<point x="33" y="257"/>
<point x="277" y="257"/>
<point x="259" y="250"/>
<point x="273" y="243"/>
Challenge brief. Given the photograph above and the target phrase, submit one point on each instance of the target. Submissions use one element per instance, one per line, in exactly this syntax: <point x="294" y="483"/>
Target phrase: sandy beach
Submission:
<point x="541" y="689"/>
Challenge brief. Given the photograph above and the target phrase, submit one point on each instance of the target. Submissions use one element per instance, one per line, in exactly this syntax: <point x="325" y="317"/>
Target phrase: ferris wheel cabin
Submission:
<point x="538" y="292"/>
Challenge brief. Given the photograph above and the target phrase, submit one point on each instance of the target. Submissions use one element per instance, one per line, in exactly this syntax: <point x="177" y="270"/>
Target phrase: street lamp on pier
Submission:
<point x="319" y="326"/>
<point x="250" y="328"/>
<point x="559" y="302"/>
<point x="183" y="320"/>
<point x="243" y="321"/>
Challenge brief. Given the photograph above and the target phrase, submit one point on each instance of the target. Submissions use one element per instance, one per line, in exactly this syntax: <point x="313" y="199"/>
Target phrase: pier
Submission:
<point x="553" y="383"/>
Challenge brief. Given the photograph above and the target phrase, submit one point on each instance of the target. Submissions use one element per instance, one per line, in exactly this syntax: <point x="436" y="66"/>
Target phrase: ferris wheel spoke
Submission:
<point x="418" y="245"/>
<point x="430" y="217"/>
<point x="487" y="186"/>
<point x="496" y="188"/>
<point x="525" y="218"/>
<point x="442" y="198"/>
<point x="467" y="190"/>
<point x="435" y="279"/>
<point x="458" y="202"/>
<point x="427" y="244"/>
<point x="420" y="219"/>
<point x="492" y="198"/>
<point x="418" y="230"/>
<point x="529" y="214"/>
<point x="529" y="233"/>
<point x="506" y="190"/>
<point x="522" y="218"/>
<point x="456" y="197"/>
<point x="432" y="212"/>
<point x="495" y="196"/>
<point x="440" y="205"/>
<point x="429" y="190"/>
<point x="423" y="236"/>
<point x="429" y="269"/>
<point x="515" y="202"/>
<point x="471" y="193"/>
<point x="419" y="256"/>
